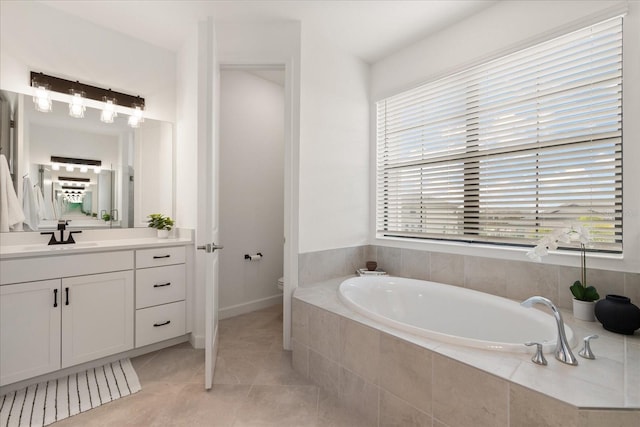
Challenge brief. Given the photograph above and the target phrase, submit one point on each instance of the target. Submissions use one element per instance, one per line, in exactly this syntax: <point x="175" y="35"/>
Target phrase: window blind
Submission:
<point x="510" y="150"/>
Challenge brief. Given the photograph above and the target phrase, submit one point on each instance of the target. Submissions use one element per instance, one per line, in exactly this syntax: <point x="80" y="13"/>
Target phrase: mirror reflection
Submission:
<point x="81" y="169"/>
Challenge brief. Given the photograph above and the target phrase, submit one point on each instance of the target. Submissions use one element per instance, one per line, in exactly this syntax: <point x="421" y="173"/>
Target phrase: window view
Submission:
<point x="509" y="150"/>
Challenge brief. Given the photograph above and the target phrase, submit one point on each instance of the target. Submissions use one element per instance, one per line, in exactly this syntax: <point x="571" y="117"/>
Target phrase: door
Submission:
<point x="29" y="330"/>
<point x="97" y="316"/>
<point x="208" y="148"/>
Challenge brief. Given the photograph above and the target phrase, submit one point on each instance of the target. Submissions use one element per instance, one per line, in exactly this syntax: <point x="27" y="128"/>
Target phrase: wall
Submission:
<point x="251" y="190"/>
<point x="35" y="37"/>
<point x="334" y="147"/>
<point x="498" y="30"/>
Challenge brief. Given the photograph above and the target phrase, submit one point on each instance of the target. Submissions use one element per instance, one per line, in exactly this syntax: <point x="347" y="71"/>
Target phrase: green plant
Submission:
<point x="579" y="289"/>
<point x="160" y="222"/>
<point x="106" y="217"/>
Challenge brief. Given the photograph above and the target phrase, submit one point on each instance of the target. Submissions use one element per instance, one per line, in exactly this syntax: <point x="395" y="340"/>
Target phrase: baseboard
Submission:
<point x="236" y="310"/>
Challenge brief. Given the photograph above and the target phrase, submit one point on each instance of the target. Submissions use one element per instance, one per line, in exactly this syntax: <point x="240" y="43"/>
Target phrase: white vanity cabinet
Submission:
<point x="30" y="316"/>
<point x="97" y="316"/>
<point x="69" y="318"/>
<point x="160" y="294"/>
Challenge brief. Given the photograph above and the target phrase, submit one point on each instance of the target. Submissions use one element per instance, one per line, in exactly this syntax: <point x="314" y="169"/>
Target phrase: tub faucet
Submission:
<point x="563" y="351"/>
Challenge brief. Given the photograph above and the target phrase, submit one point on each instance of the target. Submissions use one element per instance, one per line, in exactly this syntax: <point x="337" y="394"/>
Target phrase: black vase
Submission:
<point x="617" y="314"/>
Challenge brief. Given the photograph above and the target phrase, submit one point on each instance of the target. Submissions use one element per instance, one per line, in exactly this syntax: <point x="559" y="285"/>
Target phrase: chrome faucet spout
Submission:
<point x="563" y="351"/>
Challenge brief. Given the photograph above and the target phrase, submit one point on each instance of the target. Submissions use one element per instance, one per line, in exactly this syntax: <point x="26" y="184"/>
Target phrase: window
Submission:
<point x="509" y="150"/>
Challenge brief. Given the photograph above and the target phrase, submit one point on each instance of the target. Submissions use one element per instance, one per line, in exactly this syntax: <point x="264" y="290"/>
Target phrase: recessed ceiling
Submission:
<point x="370" y="30"/>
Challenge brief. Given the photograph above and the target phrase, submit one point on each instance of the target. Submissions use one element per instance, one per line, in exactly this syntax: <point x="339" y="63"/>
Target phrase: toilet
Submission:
<point x="281" y="283"/>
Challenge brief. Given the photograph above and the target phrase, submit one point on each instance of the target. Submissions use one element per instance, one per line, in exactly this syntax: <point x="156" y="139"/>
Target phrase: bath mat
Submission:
<point x="50" y="401"/>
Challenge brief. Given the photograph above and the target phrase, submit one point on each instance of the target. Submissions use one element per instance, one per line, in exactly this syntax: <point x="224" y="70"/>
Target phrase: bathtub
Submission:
<point x="450" y="313"/>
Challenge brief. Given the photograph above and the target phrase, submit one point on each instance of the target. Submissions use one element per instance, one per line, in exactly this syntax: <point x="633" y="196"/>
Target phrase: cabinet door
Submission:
<point x="97" y="316"/>
<point x="29" y="330"/>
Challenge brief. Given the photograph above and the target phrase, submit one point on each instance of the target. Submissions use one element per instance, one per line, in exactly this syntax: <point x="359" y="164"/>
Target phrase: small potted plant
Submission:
<point x="162" y="223"/>
<point x="584" y="297"/>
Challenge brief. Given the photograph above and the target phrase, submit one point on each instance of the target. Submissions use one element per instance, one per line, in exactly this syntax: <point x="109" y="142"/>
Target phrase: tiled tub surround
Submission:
<point x="395" y="378"/>
<point x="506" y="278"/>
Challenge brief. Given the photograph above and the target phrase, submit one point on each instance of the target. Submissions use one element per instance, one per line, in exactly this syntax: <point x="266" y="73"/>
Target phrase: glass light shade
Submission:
<point x="97" y="169"/>
<point x="55" y="166"/>
<point x="76" y="106"/>
<point x="108" y="112"/>
<point x="84" y="169"/>
<point x="69" y="168"/>
<point x="42" y="99"/>
<point x="136" y="118"/>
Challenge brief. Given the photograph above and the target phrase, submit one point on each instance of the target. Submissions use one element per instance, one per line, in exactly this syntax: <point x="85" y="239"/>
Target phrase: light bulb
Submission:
<point x="42" y="99"/>
<point x="76" y="106"/>
<point x="108" y="112"/>
<point x="69" y="168"/>
<point x="84" y="169"/>
<point x="97" y="169"/>
<point x="136" y="118"/>
<point x="55" y="166"/>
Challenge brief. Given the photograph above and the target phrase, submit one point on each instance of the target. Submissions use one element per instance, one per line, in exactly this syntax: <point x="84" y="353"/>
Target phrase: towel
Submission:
<point x="30" y="205"/>
<point x="42" y="214"/>
<point x="11" y="215"/>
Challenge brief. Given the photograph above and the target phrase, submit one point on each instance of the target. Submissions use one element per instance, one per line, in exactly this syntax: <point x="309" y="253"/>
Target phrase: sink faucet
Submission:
<point x="62" y="225"/>
<point x="563" y="351"/>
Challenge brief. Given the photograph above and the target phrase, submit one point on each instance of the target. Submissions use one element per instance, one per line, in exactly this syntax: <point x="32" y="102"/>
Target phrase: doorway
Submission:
<point x="252" y="145"/>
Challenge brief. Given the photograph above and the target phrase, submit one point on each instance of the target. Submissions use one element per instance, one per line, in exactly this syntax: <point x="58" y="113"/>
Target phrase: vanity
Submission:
<point x="116" y="293"/>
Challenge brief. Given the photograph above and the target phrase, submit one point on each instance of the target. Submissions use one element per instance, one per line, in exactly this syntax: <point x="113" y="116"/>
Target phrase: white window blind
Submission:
<point x="510" y="150"/>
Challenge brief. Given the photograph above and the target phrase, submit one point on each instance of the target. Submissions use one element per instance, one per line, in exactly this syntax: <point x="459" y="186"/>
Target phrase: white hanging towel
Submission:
<point x="30" y="205"/>
<point x="11" y="215"/>
<point x="42" y="213"/>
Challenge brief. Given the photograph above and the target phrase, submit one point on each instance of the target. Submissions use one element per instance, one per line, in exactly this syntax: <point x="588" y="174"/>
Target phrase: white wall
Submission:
<point x="251" y="190"/>
<point x="501" y="29"/>
<point x="334" y="147"/>
<point x="48" y="141"/>
<point x="35" y="37"/>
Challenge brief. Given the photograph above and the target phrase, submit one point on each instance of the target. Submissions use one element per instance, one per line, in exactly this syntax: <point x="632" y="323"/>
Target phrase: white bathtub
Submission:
<point x="450" y="313"/>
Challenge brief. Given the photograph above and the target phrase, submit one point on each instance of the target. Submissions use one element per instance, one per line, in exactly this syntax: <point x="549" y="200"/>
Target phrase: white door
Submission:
<point x="208" y="149"/>
<point x="97" y="316"/>
<point x="29" y="330"/>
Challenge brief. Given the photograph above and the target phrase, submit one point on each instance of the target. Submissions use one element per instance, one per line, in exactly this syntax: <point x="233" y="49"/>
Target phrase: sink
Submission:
<point x="44" y="247"/>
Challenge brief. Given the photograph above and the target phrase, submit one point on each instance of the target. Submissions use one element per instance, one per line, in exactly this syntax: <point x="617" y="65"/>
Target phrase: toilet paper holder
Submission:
<point x="257" y="256"/>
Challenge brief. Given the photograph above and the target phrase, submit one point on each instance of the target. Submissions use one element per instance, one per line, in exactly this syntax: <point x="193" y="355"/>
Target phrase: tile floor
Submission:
<point x="254" y="385"/>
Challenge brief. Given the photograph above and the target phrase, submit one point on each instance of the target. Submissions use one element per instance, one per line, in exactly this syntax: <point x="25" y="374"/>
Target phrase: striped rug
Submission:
<point x="50" y="401"/>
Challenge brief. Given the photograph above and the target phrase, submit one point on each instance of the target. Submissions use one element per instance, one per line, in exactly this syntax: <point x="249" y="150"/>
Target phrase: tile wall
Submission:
<point x="391" y="382"/>
<point x="511" y="279"/>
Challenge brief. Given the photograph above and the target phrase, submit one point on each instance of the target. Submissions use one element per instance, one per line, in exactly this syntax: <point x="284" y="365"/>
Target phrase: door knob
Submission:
<point x="209" y="247"/>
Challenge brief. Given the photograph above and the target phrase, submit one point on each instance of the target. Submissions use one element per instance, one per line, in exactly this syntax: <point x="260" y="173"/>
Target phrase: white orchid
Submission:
<point x="550" y="242"/>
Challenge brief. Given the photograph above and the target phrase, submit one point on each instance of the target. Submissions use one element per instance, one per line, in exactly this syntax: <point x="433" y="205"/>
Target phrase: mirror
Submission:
<point x="89" y="172"/>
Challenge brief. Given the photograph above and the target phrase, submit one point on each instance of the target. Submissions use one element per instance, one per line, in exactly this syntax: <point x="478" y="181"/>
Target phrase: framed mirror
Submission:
<point x="86" y="171"/>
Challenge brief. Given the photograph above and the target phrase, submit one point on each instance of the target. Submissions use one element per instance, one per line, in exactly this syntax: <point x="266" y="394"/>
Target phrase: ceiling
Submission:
<point x="370" y="30"/>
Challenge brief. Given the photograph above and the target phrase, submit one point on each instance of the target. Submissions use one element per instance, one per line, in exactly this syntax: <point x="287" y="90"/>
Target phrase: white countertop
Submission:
<point x="27" y="245"/>
<point x="612" y="380"/>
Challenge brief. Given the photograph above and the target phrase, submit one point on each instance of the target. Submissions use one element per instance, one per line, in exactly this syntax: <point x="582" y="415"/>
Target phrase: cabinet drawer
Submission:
<point x="160" y="256"/>
<point x="160" y="285"/>
<point x="160" y="323"/>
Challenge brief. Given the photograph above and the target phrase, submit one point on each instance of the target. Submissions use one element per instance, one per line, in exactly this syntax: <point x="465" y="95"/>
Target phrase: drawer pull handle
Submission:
<point x="55" y="297"/>
<point x="66" y="293"/>
<point x="159" y="285"/>
<point x="161" y="256"/>
<point x="155" y="325"/>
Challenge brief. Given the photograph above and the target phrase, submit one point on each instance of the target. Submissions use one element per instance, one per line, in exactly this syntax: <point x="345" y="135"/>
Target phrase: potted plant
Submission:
<point x="584" y="297"/>
<point x="162" y="223"/>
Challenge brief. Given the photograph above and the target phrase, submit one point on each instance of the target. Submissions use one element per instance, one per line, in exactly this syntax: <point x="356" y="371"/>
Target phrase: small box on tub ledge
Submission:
<point x="161" y="223"/>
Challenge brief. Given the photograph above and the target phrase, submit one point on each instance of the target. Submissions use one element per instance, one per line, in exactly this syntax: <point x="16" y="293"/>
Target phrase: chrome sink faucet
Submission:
<point x="563" y="351"/>
<point x="62" y="225"/>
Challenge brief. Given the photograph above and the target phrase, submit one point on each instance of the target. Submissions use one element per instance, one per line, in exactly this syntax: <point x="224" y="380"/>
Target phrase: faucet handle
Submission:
<point x="586" y="351"/>
<point x="537" y="358"/>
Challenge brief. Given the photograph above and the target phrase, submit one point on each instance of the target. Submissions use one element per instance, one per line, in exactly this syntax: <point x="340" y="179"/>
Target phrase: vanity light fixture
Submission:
<point x="42" y="99"/>
<point x="76" y="106"/>
<point x="71" y="163"/>
<point x="112" y="100"/>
